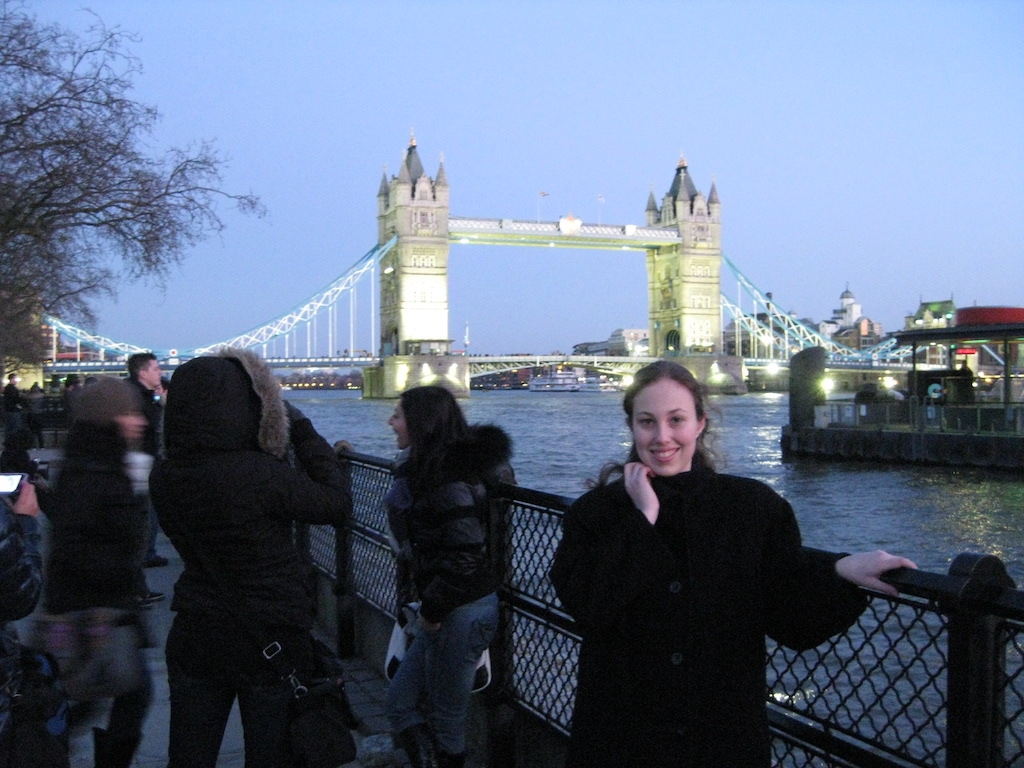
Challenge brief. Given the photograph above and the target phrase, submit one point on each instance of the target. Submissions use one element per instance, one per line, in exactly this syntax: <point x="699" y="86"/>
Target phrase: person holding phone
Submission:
<point x="20" y="584"/>
<point x="674" y="574"/>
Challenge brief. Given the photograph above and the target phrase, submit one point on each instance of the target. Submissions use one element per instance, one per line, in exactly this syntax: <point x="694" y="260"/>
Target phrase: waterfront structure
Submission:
<point x="680" y="241"/>
<point x="929" y="316"/>
<point x="945" y="418"/>
<point x="414" y="274"/>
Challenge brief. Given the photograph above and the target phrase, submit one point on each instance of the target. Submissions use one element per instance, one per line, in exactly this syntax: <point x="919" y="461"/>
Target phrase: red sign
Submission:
<point x="966" y="351"/>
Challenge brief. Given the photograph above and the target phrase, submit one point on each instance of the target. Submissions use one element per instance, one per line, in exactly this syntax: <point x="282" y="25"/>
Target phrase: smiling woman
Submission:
<point x="438" y="508"/>
<point x="666" y="428"/>
<point x="674" y="574"/>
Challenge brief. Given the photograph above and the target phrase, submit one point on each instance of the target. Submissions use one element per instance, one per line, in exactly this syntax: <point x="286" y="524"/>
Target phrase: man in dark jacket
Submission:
<point x="228" y="499"/>
<point x="145" y="375"/>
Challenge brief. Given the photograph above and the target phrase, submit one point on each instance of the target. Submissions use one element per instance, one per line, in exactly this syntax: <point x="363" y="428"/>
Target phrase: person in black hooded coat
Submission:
<point x="674" y="574"/>
<point x="228" y="498"/>
<point x="438" y="509"/>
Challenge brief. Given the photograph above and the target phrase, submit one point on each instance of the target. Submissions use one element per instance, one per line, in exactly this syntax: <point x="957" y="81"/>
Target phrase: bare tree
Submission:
<point x="82" y="202"/>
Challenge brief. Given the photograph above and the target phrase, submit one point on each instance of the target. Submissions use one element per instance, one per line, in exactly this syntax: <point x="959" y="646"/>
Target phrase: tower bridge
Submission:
<point x="693" y="312"/>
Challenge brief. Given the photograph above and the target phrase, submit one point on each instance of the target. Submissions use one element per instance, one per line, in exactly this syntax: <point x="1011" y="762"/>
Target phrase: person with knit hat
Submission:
<point x="228" y="497"/>
<point x="98" y="539"/>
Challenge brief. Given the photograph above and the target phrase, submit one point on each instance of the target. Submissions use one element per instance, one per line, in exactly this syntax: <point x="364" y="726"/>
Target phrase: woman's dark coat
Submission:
<point x="441" y="522"/>
<point x="227" y="497"/>
<point x="99" y="526"/>
<point x="673" y="618"/>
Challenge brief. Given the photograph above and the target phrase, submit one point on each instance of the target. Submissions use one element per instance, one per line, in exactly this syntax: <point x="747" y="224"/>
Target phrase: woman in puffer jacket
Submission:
<point x="20" y="584"/>
<point x="437" y="511"/>
<point x="228" y="499"/>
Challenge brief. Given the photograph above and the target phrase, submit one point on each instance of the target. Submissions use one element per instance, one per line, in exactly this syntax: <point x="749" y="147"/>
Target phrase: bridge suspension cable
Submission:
<point x="92" y="340"/>
<point x="783" y="334"/>
<point x="308" y="311"/>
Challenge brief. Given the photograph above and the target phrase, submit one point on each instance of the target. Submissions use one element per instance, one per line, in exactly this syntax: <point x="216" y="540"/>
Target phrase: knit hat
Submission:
<point x="106" y="399"/>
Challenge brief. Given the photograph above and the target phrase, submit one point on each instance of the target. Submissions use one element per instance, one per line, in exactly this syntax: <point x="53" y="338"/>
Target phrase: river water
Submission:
<point x="929" y="514"/>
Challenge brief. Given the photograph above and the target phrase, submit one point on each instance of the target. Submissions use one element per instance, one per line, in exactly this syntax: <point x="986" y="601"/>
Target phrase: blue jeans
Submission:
<point x="434" y="682"/>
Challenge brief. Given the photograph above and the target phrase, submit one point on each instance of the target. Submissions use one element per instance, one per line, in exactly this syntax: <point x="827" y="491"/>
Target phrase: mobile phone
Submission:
<point x="10" y="481"/>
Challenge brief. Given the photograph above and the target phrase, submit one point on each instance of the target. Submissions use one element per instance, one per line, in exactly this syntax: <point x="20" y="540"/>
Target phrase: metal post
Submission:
<point x="977" y="665"/>
<point x="351" y="321"/>
<point x="1007" y="389"/>
<point x="373" y="319"/>
<point x="346" y="625"/>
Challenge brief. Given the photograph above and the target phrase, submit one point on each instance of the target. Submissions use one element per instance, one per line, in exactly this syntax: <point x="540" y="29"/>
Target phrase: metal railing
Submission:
<point x="934" y="677"/>
<point x="912" y="415"/>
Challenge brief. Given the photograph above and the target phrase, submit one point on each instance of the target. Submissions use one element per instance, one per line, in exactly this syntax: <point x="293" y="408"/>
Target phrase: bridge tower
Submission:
<point x="414" y="284"/>
<point x="684" y="282"/>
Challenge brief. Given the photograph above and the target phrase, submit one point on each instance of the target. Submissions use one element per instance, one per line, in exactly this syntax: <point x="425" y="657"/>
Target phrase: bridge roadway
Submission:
<point x="565" y="233"/>
<point x="479" y="365"/>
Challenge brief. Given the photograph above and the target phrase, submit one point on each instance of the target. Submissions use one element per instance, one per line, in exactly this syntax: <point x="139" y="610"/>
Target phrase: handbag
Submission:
<point x="404" y="632"/>
<point x="320" y="719"/>
<point x="98" y="651"/>
<point x="35" y="729"/>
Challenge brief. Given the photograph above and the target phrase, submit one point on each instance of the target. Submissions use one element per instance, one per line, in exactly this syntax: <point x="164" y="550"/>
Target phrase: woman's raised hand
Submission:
<point x="637" y="477"/>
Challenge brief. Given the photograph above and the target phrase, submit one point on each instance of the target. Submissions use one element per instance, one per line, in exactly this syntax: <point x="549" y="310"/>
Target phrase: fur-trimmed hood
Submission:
<point x="488" y="448"/>
<point x="483" y="455"/>
<point x="228" y="401"/>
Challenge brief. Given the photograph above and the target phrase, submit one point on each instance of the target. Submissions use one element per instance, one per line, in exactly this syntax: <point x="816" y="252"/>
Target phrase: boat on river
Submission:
<point x="600" y="384"/>
<point x="556" y="381"/>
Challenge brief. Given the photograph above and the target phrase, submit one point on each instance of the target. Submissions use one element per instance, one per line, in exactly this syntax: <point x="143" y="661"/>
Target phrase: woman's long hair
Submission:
<point x="665" y="369"/>
<point x="434" y="421"/>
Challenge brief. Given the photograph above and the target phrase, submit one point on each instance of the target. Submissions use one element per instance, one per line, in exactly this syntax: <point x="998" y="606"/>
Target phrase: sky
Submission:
<point x="870" y="146"/>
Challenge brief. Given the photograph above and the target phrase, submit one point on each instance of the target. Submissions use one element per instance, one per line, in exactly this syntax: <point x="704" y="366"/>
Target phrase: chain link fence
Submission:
<point x="934" y="677"/>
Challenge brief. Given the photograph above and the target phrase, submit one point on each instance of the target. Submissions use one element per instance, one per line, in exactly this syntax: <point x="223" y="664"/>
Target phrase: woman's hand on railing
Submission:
<point x="865" y="569"/>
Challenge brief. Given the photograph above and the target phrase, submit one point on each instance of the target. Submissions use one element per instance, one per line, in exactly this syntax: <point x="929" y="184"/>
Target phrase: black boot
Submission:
<point x="419" y="746"/>
<point x="113" y="752"/>
<point x="444" y="760"/>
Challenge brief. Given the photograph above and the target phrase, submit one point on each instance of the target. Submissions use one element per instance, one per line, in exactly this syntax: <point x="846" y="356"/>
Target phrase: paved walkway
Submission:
<point x="365" y="688"/>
